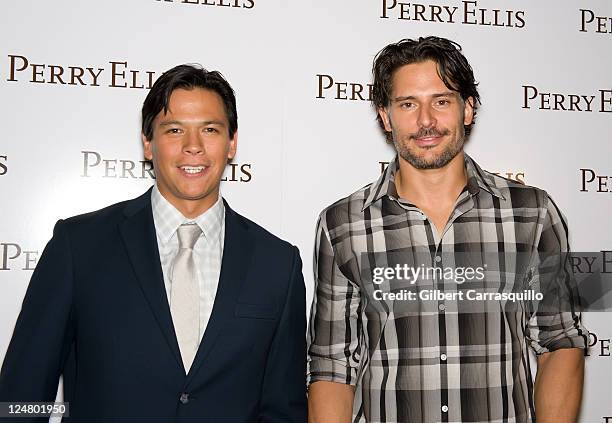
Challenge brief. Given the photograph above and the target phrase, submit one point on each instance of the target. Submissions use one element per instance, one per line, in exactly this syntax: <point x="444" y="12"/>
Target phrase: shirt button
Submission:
<point x="184" y="399"/>
<point x="444" y="408"/>
<point x="438" y="259"/>
<point x="443" y="357"/>
<point x="441" y="307"/>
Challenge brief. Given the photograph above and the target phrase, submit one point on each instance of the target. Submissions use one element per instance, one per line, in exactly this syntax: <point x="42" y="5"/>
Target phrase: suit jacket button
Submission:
<point x="184" y="399"/>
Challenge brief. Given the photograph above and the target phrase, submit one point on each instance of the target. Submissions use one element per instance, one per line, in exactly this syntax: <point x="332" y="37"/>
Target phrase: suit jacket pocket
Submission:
<point x="255" y="311"/>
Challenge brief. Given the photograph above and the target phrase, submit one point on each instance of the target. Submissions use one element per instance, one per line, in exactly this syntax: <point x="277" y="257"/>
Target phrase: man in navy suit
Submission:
<point x="170" y="307"/>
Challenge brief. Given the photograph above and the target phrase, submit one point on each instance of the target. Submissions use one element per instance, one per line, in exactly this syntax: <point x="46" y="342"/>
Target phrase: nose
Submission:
<point x="193" y="143"/>
<point x="426" y="118"/>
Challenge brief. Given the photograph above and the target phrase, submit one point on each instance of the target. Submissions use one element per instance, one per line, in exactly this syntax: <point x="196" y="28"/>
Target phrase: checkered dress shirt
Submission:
<point x="437" y="365"/>
<point x="208" y="250"/>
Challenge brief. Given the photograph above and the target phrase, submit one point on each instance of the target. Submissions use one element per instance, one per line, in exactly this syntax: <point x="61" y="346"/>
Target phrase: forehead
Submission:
<point x="195" y="102"/>
<point x="418" y="79"/>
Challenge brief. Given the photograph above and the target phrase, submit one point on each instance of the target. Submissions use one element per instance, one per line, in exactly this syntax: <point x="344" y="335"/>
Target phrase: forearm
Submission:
<point x="330" y="402"/>
<point x="558" y="387"/>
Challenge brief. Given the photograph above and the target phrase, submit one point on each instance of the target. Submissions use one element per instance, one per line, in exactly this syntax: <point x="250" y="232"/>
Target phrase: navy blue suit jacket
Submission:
<point x="97" y="312"/>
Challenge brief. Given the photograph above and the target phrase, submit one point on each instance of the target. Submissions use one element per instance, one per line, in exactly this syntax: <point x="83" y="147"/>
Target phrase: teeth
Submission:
<point x="193" y="169"/>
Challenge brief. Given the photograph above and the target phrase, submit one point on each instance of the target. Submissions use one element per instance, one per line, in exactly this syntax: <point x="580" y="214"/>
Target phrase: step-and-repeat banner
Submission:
<point x="73" y="76"/>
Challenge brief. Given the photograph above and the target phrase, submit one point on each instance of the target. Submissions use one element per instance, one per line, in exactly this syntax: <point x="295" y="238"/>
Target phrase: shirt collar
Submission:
<point x="167" y="218"/>
<point x="476" y="179"/>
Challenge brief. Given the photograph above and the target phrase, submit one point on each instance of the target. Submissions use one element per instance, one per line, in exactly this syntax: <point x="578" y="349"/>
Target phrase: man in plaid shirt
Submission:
<point x="373" y="358"/>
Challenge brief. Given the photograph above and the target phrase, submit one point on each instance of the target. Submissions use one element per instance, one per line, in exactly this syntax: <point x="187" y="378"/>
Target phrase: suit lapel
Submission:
<point x="138" y="232"/>
<point x="237" y="253"/>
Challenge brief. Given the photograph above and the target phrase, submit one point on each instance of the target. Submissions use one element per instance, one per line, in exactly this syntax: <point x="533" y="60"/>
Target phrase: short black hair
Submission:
<point x="187" y="76"/>
<point x="453" y="68"/>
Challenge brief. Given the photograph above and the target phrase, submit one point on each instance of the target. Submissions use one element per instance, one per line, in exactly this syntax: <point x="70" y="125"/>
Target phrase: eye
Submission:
<point x="210" y="130"/>
<point x="407" y="105"/>
<point x="173" y="131"/>
<point x="443" y="102"/>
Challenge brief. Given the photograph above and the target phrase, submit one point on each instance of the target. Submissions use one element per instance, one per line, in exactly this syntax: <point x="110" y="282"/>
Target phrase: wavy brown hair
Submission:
<point x="453" y="68"/>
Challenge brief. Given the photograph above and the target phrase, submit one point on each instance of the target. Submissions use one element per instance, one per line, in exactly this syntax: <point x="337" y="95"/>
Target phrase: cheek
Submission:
<point x="451" y="120"/>
<point x="404" y="126"/>
<point x="218" y="150"/>
<point x="164" y="152"/>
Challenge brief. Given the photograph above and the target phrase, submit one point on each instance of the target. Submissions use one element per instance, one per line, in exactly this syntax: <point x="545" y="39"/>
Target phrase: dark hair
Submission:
<point x="453" y="68"/>
<point x="187" y="77"/>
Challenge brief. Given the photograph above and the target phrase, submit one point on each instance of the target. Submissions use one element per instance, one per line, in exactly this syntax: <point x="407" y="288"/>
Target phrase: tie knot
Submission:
<point x="188" y="234"/>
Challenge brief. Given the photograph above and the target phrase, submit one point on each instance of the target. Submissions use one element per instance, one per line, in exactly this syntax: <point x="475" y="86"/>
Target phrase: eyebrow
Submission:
<point x="178" y="122"/>
<point x="436" y="95"/>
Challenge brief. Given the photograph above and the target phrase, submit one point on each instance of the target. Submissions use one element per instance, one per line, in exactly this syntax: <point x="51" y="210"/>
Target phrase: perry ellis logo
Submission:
<point x="517" y="176"/>
<point x="591" y="181"/>
<point x="3" y="165"/>
<point x="246" y="4"/>
<point x="115" y="74"/>
<point x="12" y="255"/>
<point x="534" y="97"/>
<point x="94" y="165"/>
<point x="327" y="87"/>
<point x="235" y="172"/>
<point x="598" y="346"/>
<point x="597" y="263"/>
<point x="467" y="13"/>
<point x="590" y="22"/>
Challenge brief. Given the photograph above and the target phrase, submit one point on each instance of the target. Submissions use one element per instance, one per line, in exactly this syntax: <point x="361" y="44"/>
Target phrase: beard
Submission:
<point x="408" y="151"/>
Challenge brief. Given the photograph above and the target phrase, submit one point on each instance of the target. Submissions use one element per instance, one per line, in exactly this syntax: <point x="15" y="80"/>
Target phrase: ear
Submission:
<point x="147" y="147"/>
<point x="233" y="145"/>
<point x="468" y="111"/>
<point x="384" y="115"/>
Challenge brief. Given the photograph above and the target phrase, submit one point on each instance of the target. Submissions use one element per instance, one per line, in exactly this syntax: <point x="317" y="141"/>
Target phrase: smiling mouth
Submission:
<point x="193" y="170"/>
<point x="428" y="142"/>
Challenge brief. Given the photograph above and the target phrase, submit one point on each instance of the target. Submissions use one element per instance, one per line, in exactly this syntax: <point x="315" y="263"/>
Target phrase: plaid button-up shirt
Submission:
<point x="436" y="365"/>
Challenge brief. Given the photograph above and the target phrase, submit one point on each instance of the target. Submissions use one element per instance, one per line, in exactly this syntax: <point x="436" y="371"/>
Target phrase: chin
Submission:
<point x="196" y="196"/>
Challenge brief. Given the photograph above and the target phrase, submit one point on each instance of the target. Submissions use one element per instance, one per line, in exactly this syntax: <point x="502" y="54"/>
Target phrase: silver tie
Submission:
<point x="185" y="295"/>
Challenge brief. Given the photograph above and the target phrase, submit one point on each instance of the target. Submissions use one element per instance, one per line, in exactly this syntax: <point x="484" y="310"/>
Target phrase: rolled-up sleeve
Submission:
<point x="334" y="348"/>
<point x="556" y="321"/>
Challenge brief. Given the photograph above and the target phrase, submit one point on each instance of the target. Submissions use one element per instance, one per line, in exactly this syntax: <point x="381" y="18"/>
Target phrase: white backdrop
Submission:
<point x="70" y="136"/>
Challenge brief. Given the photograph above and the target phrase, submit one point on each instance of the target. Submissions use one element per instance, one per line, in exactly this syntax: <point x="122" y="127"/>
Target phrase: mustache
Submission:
<point x="429" y="132"/>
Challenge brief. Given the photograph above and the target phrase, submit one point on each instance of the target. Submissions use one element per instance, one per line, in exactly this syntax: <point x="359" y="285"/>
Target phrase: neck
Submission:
<point x="191" y="209"/>
<point x="431" y="186"/>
